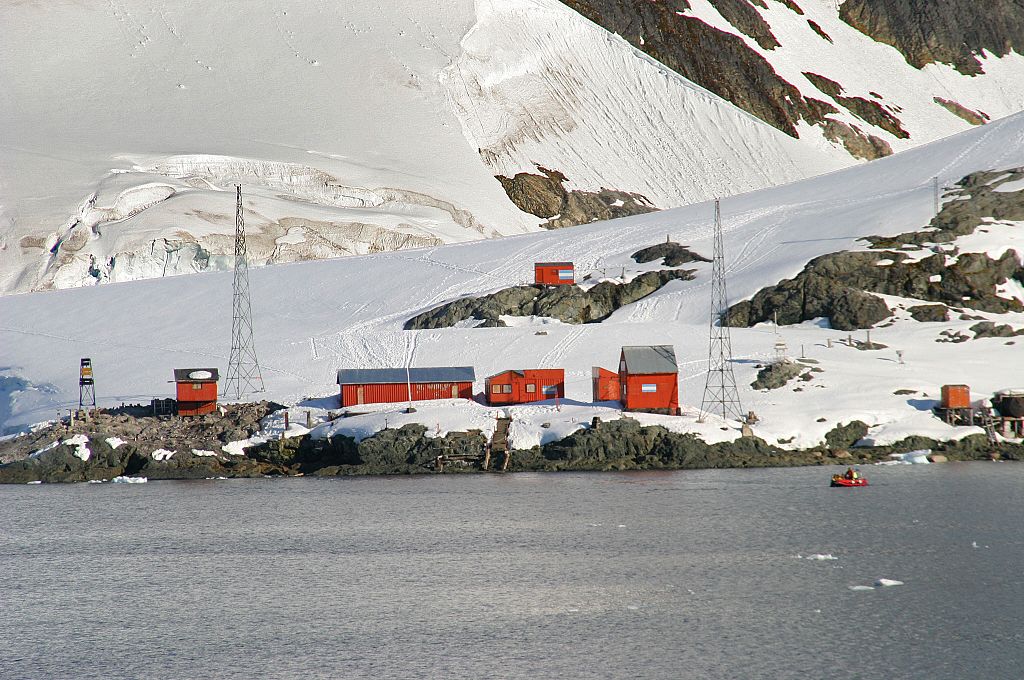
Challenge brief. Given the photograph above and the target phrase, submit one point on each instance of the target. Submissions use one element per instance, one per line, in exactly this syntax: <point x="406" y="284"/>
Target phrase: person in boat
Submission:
<point x="851" y="474"/>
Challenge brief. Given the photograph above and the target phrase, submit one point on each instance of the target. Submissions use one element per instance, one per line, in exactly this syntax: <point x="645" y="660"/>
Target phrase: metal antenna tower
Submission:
<point x="243" y="368"/>
<point x="720" y="394"/>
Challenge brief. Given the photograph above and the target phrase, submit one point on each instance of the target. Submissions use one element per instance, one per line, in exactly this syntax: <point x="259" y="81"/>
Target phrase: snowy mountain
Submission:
<point x="365" y="128"/>
<point x="313" y="318"/>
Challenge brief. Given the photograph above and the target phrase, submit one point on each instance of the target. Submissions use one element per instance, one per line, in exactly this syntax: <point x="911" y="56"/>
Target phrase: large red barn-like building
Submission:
<point x="554" y="273"/>
<point x="196" y="390"/>
<point x="521" y="387"/>
<point x="395" y="385"/>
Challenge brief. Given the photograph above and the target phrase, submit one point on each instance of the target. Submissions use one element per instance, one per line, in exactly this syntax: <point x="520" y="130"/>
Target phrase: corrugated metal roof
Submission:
<point x="496" y="375"/>
<point x="552" y="264"/>
<point x="195" y="375"/>
<point x="648" y="359"/>
<point x="371" y="376"/>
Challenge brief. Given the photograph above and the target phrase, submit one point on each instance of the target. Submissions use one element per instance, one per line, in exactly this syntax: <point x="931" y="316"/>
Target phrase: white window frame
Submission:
<point x="649" y="387"/>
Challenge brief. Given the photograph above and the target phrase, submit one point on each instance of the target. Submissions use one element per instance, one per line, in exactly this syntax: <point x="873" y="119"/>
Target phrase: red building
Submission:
<point x="606" y="384"/>
<point x="196" y="390"/>
<point x="521" y="387"/>
<point x="395" y="385"/>
<point x="649" y="379"/>
<point x="553" y="273"/>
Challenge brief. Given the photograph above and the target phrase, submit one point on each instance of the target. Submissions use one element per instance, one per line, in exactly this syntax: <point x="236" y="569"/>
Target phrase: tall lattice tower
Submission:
<point x="720" y="394"/>
<point x="243" y="368"/>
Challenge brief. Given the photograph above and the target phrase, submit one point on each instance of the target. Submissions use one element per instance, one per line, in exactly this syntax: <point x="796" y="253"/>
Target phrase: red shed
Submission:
<point x="649" y="378"/>
<point x="393" y="385"/>
<point x="521" y="387"/>
<point x="553" y="273"/>
<point x="196" y="390"/>
<point x="606" y="384"/>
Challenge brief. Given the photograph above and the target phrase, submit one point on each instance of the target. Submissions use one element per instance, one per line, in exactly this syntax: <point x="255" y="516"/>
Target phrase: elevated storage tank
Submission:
<point x="956" y="396"/>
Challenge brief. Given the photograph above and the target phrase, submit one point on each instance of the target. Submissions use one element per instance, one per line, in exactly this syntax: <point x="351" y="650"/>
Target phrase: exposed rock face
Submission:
<point x="989" y="329"/>
<point x="947" y="31"/>
<point x="856" y="142"/>
<point x="929" y="312"/>
<point x="719" y="61"/>
<point x="868" y="111"/>
<point x="838" y="285"/>
<point x="776" y="375"/>
<point x="570" y="304"/>
<point x="975" y="201"/>
<point x="742" y="15"/>
<point x="972" y="117"/>
<point x="670" y="253"/>
<point x="545" y="196"/>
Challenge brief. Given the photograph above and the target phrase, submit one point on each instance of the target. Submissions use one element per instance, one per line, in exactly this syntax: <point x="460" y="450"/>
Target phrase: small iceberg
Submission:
<point x="129" y="480"/>
<point x="821" y="557"/>
<point x="918" y="457"/>
<point x="887" y="582"/>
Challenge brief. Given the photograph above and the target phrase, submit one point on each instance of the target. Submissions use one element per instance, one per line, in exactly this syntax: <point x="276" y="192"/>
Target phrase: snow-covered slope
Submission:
<point x="315" y="317"/>
<point x="355" y="128"/>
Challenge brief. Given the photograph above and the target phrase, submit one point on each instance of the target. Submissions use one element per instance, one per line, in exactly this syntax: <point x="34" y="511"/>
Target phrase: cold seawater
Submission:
<point x="689" y="574"/>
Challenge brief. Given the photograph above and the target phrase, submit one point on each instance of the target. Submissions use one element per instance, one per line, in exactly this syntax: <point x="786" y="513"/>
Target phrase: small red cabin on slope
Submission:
<point x="395" y="385"/>
<point x="196" y="390"/>
<point x="649" y="378"/>
<point x="553" y="273"/>
<point x="521" y="387"/>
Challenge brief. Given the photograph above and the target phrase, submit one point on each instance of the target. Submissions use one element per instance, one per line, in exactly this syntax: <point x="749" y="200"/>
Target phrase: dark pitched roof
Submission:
<point x="370" y="376"/>
<point x="552" y="264"/>
<point x="648" y="359"/>
<point x="201" y="375"/>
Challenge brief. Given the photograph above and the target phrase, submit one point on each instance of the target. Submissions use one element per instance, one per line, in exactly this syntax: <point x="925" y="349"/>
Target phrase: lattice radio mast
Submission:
<point x="720" y="394"/>
<point x="243" y="368"/>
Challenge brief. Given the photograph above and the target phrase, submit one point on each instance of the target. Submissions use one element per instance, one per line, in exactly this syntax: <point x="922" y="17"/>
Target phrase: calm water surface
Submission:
<point x="691" y="574"/>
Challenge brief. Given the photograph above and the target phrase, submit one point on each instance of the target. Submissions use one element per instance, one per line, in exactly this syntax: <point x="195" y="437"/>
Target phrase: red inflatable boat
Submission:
<point x="840" y="480"/>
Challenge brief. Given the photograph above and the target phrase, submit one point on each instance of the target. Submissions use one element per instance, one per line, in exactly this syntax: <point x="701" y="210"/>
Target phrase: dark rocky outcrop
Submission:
<point x="989" y="329"/>
<point x="545" y="196"/>
<point x="570" y="304"/>
<point x="776" y="375"/>
<point x="839" y="285"/>
<point x="948" y="31"/>
<point x="929" y="312"/>
<point x="957" y="109"/>
<point x="818" y="29"/>
<point x="742" y="15"/>
<point x="868" y="111"/>
<point x="670" y="253"/>
<point x="973" y="201"/>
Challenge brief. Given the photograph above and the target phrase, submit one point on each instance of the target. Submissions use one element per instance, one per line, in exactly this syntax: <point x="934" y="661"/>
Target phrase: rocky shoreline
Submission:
<point x="97" y="451"/>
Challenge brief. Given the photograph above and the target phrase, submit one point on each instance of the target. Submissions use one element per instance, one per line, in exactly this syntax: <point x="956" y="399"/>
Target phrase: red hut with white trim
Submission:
<point x="522" y="387"/>
<point x="554" y="273"/>
<point x="196" y="390"/>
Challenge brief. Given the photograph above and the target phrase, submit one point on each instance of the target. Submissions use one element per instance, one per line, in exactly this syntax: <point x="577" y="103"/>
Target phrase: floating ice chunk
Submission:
<point x="114" y="442"/>
<point x="37" y="481"/>
<point x="129" y="480"/>
<point x="862" y="587"/>
<point x="821" y="557"/>
<point x="886" y="582"/>
<point x="162" y="454"/>
<point x="96" y="481"/>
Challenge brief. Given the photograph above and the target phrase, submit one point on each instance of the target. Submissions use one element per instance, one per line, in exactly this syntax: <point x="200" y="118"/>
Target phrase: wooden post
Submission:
<point x="828" y="343"/>
<point x="286" y="421"/>
<point x="309" y="420"/>
<point x="869" y="339"/>
<point x="487" y="455"/>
